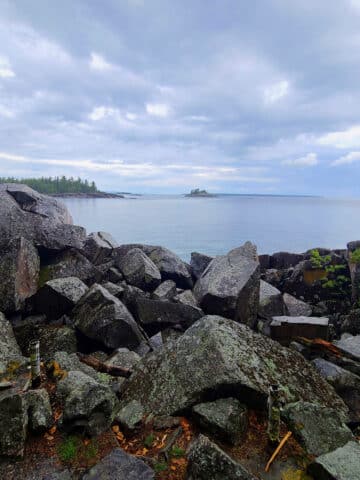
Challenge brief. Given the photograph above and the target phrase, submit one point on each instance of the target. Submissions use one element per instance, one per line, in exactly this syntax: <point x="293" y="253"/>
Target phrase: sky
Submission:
<point x="162" y="96"/>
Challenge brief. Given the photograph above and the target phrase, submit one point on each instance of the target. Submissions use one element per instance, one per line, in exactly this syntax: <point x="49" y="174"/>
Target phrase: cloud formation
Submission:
<point x="167" y="96"/>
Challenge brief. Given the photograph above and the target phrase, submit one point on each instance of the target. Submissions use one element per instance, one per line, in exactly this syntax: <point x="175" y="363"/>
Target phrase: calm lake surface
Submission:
<point x="216" y="225"/>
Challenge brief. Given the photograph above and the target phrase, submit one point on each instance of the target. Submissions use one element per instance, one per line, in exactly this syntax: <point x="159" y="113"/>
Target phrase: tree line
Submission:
<point x="55" y="184"/>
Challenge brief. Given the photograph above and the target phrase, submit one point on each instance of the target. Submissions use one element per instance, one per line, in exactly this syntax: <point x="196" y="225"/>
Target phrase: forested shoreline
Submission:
<point x="54" y="185"/>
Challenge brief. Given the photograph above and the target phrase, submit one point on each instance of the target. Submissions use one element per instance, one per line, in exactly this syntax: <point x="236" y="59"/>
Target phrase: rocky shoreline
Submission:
<point x="87" y="195"/>
<point x="152" y="368"/>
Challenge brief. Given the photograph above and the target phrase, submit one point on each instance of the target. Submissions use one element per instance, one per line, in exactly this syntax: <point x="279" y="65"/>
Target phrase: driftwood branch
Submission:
<point x="103" y="367"/>
<point x="276" y="453"/>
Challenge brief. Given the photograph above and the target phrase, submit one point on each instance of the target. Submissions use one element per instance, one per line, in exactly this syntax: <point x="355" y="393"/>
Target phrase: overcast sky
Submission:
<point x="166" y="95"/>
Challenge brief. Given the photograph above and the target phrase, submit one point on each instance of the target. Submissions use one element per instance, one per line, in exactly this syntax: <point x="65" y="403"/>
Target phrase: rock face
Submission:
<point x="320" y="430"/>
<point x="199" y="263"/>
<point x="230" y="285"/>
<point x="9" y="349"/>
<point x="98" y="247"/>
<point x="103" y="318"/>
<point x="19" y="274"/>
<point x="165" y="291"/>
<point x="139" y="270"/>
<point x="39" y="410"/>
<point x="271" y="302"/>
<point x="13" y="421"/>
<point x="215" y="356"/>
<point x="119" y="465"/>
<point x="295" y="307"/>
<point x="226" y="418"/>
<point x="155" y="315"/>
<point x="208" y="462"/>
<point x="88" y="405"/>
<point x="350" y="345"/>
<point x="40" y="219"/>
<point x="341" y="464"/>
<point x="284" y="329"/>
<point x="57" y="297"/>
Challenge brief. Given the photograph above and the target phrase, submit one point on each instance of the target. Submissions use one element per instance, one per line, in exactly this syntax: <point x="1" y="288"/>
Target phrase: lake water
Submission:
<point x="216" y="225"/>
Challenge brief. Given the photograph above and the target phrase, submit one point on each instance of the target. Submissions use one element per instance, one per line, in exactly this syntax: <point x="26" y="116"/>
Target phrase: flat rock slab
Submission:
<point x="350" y="345"/>
<point x="119" y="465"/>
<point x="284" y="328"/>
<point x="341" y="464"/>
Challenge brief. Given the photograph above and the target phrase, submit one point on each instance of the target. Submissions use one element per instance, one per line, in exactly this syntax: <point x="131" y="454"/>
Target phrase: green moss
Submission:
<point x="177" y="452"/>
<point x="149" y="440"/>
<point x="160" y="467"/>
<point x="355" y="256"/>
<point x="68" y="449"/>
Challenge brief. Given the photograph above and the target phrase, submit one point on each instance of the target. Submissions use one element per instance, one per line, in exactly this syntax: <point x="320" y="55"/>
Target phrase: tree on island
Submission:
<point x="52" y="185"/>
<point x="197" y="191"/>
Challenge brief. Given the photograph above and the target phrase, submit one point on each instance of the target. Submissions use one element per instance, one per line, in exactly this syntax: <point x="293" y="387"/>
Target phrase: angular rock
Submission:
<point x="88" y="405"/>
<point x="350" y="345"/>
<point x="345" y="383"/>
<point x="103" y="318"/>
<point x="230" y="285"/>
<point x="319" y="429"/>
<point x="131" y="415"/>
<point x="270" y="302"/>
<point x="9" y="349"/>
<point x="215" y="356"/>
<point x="284" y="260"/>
<point x="13" y="421"/>
<point x="139" y="270"/>
<point x="119" y="465"/>
<point x="39" y="410"/>
<point x="57" y="297"/>
<point x="186" y="298"/>
<point x="341" y="464"/>
<point x="123" y="357"/>
<point x="98" y="247"/>
<point x="165" y="291"/>
<point x="351" y="323"/>
<point x="40" y="219"/>
<point x="113" y="275"/>
<point x="199" y="263"/>
<point x="295" y="307"/>
<point x="226" y="418"/>
<point x="284" y="329"/>
<point x="69" y="263"/>
<point x="71" y="362"/>
<point x="116" y="290"/>
<point x="19" y="274"/>
<point x="208" y="462"/>
<point x="155" y="315"/>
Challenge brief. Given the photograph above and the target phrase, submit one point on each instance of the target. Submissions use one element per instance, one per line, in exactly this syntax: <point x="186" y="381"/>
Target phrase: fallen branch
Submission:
<point x="171" y="440"/>
<point x="276" y="453"/>
<point x="102" y="367"/>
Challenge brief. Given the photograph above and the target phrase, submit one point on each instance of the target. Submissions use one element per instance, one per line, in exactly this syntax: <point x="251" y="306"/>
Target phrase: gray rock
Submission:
<point x="295" y="307"/>
<point x="216" y="355"/>
<point x="123" y="357"/>
<point x="186" y="298"/>
<point x="119" y="465"/>
<point x="230" y="285"/>
<point x="284" y="329"/>
<point x="319" y="429"/>
<point x="98" y="247"/>
<point x="165" y="291"/>
<point x="199" y="263"/>
<point x="9" y="349"/>
<point x="226" y="418"/>
<point x="69" y="263"/>
<point x="13" y="421"/>
<point x="351" y="322"/>
<point x="345" y="383"/>
<point x="39" y="410"/>
<point x="19" y="274"/>
<point x="350" y="345"/>
<point x="208" y="462"/>
<point x="155" y="315"/>
<point x="42" y="220"/>
<point x="284" y="260"/>
<point x="71" y="362"/>
<point x="116" y="290"/>
<point x="130" y="416"/>
<point x="341" y="464"/>
<point x="102" y="317"/>
<point x="57" y="297"/>
<point x="139" y="270"/>
<point x="114" y="275"/>
<point x="271" y="302"/>
<point x="88" y="405"/>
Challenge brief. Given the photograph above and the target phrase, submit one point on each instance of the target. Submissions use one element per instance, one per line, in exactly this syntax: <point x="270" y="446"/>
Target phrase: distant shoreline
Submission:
<point x="86" y="195"/>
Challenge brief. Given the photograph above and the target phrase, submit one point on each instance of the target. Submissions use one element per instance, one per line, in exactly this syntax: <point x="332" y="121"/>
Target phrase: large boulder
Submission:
<point x="103" y="318"/>
<point x="87" y="404"/>
<point x="39" y="410"/>
<point x="42" y="220"/>
<point x="217" y="355"/>
<point x="295" y="307"/>
<point x="319" y="429"/>
<point x="284" y="260"/>
<point x="340" y="464"/>
<point x="351" y="323"/>
<point x="19" y="274"/>
<point x="155" y="315"/>
<point x="271" y="302"/>
<point x="285" y="329"/>
<point x="98" y="247"/>
<point x="57" y="297"/>
<point x="199" y="263"/>
<point x="119" y="465"/>
<point x="139" y="270"/>
<point x="230" y="285"/>
<point x="13" y="421"/>
<point x="165" y="291"/>
<point x="208" y="462"/>
<point x="9" y="349"/>
<point x="350" y="345"/>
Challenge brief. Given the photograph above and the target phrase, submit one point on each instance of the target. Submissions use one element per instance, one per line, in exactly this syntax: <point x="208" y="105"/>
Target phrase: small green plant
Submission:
<point x="317" y="260"/>
<point x="355" y="256"/>
<point x="149" y="440"/>
<point x="160" y="467"/>
<point x="91" y="450"/>
<point x="67" y="450"/>
<point x="177" y="452"/>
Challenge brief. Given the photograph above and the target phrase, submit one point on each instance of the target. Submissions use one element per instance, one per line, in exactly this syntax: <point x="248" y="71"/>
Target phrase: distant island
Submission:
<point x="62" y="187"/>
<point x="199" y="193"/>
